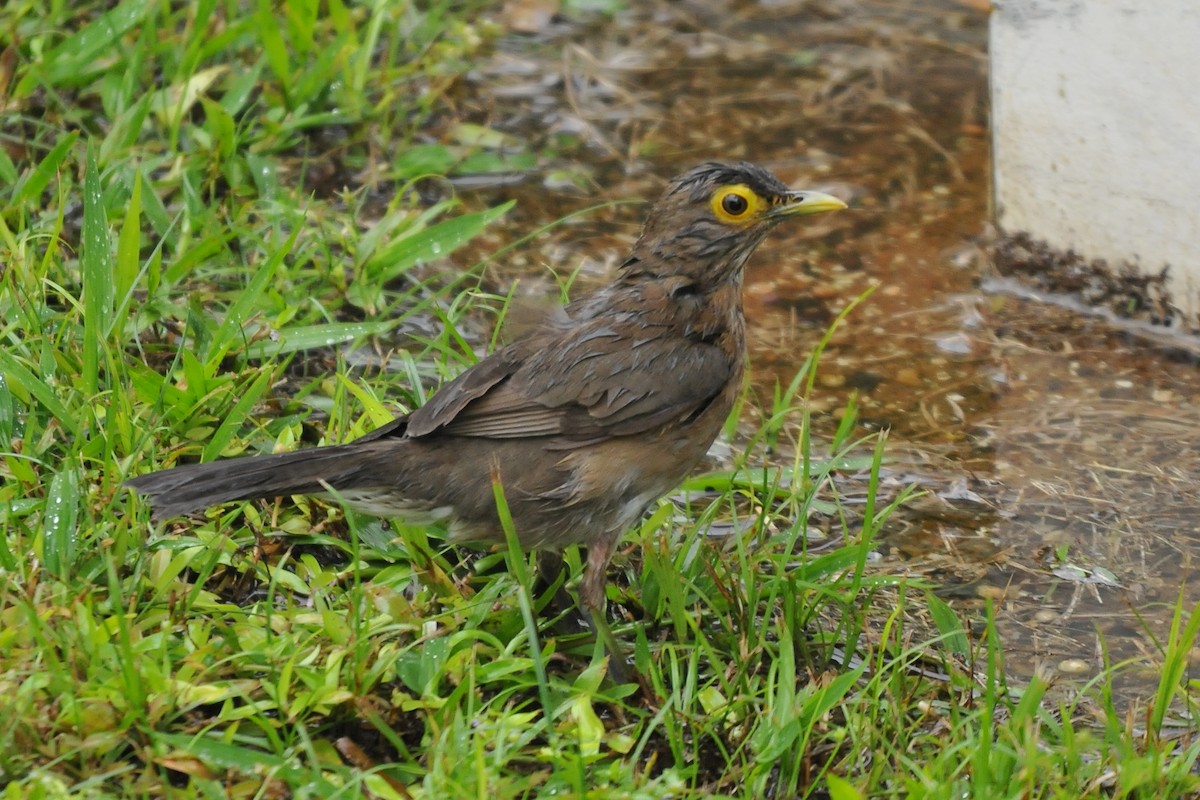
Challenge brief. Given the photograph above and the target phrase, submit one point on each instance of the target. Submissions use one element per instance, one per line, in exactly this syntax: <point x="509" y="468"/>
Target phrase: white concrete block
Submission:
<point x="1096" y="120"/>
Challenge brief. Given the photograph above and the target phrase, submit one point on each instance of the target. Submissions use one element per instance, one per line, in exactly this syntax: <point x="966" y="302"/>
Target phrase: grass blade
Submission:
<point x="236" y="415"/>
<point x="60" y="529"/>
<point x="948" y="625"/>
<point x="230" y="331"/>
<point x="73" y="62"/>
<point x="308" y="337"/>
<point x="436" y="241"/>
<point x="22" y="379"/>
<point x="33" y="186"/>
<point x="98" y="289"/>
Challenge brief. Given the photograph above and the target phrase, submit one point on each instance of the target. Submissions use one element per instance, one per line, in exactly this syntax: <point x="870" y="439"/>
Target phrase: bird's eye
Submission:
<point x="737" y="204"/>
<point x="734" y="204"/>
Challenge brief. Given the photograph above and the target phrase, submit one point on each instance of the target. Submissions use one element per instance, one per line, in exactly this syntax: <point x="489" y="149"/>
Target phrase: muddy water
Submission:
<point x="1060" y="456"/>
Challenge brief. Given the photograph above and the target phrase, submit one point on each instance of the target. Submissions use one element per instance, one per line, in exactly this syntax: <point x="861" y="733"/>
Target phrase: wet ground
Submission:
<point x="1060" y="453"/>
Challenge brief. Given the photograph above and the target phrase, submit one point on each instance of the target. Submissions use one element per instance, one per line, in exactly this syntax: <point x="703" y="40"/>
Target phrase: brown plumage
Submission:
<point x="587" y="420"/>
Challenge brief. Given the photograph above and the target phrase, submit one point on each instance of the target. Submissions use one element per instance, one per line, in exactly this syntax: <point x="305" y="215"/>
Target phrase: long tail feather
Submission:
<point x="174" y="492"/>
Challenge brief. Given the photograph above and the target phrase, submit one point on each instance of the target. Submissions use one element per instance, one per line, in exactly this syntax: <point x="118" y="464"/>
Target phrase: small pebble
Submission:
<point x="957" y="343"/>
<point x="1073" y="666"/>
<point x="994" y="592"/>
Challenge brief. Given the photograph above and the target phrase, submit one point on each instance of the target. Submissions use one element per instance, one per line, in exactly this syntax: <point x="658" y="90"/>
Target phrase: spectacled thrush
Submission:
<point x="587" y="419"/>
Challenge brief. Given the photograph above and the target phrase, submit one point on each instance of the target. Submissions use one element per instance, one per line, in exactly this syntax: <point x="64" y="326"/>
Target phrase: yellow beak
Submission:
<point x="803" y="203"/>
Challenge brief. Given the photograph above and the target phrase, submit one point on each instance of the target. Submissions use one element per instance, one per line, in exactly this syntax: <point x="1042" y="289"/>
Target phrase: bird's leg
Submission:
<point x="591" y="597"/>
<point x="595" y="575"/>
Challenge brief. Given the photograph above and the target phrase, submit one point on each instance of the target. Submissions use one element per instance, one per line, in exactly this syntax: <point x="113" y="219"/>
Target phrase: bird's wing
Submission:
<point x="626" y="384"/>
<point x="478" y="381"/>
<point x="595" y="382"/>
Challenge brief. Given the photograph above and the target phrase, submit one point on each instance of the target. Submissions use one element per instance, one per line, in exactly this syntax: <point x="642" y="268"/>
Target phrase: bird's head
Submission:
<point x="711" y="218"/>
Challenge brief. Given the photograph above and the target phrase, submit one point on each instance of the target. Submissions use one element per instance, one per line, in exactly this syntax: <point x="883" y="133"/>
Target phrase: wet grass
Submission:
<point x="183" y="276"/>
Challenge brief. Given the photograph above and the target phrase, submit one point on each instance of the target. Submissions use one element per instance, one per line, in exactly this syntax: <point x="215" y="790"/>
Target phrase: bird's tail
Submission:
<point x="178" y="491"/>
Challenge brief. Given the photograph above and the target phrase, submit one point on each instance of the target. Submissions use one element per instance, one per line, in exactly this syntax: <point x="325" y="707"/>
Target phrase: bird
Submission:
<point x="586" y="420"/>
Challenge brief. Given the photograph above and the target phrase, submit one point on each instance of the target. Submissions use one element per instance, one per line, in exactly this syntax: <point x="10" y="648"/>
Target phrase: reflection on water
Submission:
<point x="1060" y="456"/>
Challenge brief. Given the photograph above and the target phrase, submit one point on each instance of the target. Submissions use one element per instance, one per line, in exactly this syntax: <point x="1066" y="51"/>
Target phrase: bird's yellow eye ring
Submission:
<point x="736" y="204"/>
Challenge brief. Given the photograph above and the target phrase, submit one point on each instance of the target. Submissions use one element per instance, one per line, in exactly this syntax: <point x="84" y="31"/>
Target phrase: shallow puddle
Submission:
<point x="1060" y="456"/>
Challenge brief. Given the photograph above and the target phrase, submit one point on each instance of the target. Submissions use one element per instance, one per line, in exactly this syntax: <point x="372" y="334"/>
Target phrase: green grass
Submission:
<point x="177" y="257"/>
